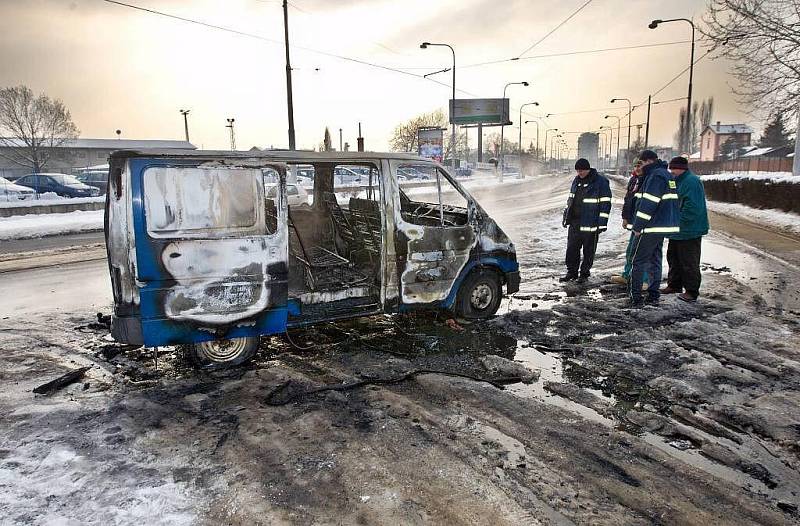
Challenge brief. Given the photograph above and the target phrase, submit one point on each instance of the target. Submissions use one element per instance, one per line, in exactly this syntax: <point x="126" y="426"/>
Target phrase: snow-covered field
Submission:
<point x="767" y="217"/>
<point x="39" y="225"/>
<point x="772" y="177"/>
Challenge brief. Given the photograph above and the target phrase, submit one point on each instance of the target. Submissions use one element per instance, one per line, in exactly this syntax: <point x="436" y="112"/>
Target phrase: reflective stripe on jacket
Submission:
<point x="596" y="205"/>
<point x="657" y="210"/>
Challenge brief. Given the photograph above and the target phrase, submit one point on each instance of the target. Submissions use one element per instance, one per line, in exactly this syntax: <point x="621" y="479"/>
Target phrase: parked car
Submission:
<point x="96" y="178"/>
<point x="12" y="192"/>
<point x="61" y="184"/>
<point x="295" y="195"/>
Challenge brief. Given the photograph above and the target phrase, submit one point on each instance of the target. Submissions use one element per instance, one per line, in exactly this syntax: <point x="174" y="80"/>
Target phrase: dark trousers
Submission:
<point x="647" y="256"/>
<point x="578" y="242"/>
<point x="683" y="257"/>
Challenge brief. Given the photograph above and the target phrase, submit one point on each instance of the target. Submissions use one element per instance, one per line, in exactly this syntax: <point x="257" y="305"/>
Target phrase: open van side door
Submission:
<point x="435" y="235"/>
<point x="211" y="248"/>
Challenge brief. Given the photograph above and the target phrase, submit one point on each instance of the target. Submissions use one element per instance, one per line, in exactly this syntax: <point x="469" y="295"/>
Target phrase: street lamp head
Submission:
<point x="424" y="45"/>
<point x="654" y="24"/>
<point x="548" y="115"/>
<point x="525" y="83"/>
<point x="613" y="101"/>
<point x="607" y="116"/>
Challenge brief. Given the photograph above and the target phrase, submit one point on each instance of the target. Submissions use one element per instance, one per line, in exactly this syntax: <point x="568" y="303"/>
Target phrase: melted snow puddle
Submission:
<point x="551" y="368"/>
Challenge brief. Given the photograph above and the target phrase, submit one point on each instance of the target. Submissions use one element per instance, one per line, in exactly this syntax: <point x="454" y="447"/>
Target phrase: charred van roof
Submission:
<point x="267" y="155"/>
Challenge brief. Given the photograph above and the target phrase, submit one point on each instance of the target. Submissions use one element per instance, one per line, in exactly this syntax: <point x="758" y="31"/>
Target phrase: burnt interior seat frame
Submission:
<point x="343" y="227"/>
<point x="323" y="269"/>
<point x="366" y="218"/>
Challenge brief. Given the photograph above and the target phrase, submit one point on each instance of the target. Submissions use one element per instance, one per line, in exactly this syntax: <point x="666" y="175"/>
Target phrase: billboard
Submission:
<point x="479" y="111"/>
<point x="430" y="141"/>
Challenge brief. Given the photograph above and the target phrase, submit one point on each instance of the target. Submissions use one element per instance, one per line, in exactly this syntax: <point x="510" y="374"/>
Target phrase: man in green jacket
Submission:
<point x="683" y="254"/>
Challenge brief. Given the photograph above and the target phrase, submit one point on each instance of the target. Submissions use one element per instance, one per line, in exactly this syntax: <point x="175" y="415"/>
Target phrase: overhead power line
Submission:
<point x="555" y="28"/>
<point x="274" y="41"/>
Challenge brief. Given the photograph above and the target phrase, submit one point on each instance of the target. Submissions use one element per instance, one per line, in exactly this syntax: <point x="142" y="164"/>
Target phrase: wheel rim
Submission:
<point x="222" y="351"/>
<point x="482" y="296"/>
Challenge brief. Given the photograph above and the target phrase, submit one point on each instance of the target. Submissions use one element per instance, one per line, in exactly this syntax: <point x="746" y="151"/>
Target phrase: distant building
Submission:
<point x="715" y="136"/>
<point x="588" y="147"/>
<point x="80" y="153"/>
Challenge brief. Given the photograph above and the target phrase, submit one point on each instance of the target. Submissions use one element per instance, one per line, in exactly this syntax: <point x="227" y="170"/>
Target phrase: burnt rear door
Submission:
<point x="211" y="249"/>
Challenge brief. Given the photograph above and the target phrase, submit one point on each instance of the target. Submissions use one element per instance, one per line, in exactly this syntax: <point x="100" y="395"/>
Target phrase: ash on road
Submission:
<point x="683" y="414"/>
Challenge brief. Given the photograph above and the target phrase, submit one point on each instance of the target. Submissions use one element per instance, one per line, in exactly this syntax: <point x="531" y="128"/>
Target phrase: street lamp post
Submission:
<point x="537" y="136"/>
<point x="503" y="125"/>
<point x="654" y="24"/>
<point x="618" y="132"/>
<point x="425" y="45"/>
<point x="185" y="114"/>
<point x="610" y="138"/>
<point x="233" y="137"/>
<point x="545" y="144"/>
<point x="520" y="123"/>
<point x="630" y="110"/>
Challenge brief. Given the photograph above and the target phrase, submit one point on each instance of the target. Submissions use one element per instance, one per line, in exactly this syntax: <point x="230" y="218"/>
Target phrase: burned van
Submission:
<point x="215" y="249"/>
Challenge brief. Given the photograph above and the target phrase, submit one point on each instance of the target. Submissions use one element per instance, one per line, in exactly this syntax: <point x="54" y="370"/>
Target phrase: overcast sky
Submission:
<point x="118" y="68"/>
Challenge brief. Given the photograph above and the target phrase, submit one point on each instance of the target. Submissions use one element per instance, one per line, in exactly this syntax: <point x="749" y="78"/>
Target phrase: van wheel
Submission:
<point x="219" y="354"/>
<point x="479" y="296"/>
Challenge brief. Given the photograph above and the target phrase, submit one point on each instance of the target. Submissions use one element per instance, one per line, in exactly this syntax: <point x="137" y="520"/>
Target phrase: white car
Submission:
<point x="14" y="192"/>
<point x="295" y="195"/>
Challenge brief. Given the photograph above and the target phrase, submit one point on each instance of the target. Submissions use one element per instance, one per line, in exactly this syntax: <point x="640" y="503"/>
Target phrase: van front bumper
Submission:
<point x="512" y="282"/>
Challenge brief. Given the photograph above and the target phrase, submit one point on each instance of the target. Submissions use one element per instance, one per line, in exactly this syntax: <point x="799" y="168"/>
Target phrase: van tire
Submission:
<point x="220" y="354"/>
<point x="479" y="295"/>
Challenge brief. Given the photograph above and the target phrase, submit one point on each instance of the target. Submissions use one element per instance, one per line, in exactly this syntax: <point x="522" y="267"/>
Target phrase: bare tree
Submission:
<point x="32" y="126"/>
<point x="762" y="39"/>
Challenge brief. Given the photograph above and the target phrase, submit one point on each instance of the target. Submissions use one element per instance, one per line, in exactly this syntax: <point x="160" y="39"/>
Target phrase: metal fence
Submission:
<point x="751" y="164"/>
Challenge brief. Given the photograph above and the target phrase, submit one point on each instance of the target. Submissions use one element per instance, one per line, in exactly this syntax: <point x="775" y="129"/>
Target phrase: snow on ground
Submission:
<point x="772" y="177"/>
<point x="39" y="225"/>
<point x="50" y="199"/>
<point x="768" y="217"/>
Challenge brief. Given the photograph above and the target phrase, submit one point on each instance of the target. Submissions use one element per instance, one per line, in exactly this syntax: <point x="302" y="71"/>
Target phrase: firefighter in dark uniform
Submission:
<point x="586" y="215"/>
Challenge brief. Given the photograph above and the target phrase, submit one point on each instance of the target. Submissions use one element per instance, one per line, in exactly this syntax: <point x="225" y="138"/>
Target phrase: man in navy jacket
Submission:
<point x="657" y="215"/>
<point x="586" y="214"/>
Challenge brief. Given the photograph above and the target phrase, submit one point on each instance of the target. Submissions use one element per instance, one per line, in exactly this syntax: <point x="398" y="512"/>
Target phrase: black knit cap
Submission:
<point x="582" y="164"/>
<point x="679" y="163"/>
<point x="648" y="155"/>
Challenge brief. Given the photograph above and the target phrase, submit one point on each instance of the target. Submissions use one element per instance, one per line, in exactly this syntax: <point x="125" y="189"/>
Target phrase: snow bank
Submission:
<point x="772" y="177"/>
<point x="767" y="217"/>
<point x="38" y="225"/>
<point x="49" y="199"/>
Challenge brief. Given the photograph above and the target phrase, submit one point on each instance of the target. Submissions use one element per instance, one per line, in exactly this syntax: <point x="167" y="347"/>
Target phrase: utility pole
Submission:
<point x="360" y="140"/>
<point x="233" y="137"/>
<point x="647" y="126"/>
<point x="289" y="103"/>
<point x="341" y="147"/>
<point x="186" y="123"/>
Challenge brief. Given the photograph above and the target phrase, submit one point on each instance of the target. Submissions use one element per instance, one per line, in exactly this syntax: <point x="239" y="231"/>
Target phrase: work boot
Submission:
<point x="619" y="280"/>
<point x="688" y="298"/>
<point x="634" y="303"/>
<point x="568" y="277"/>
<point x="669" y="290"/>
<point x="653" y="302"/>
<point x="582" y="280"/>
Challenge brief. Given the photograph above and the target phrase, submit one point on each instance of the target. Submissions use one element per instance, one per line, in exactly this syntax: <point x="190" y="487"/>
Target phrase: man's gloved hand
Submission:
<point x="565" y="218"/>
